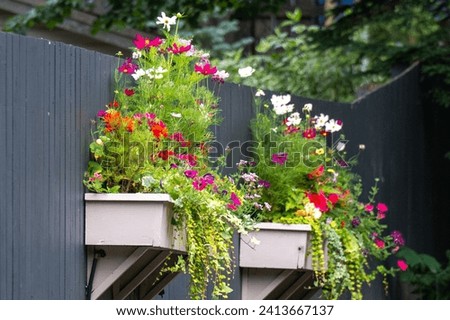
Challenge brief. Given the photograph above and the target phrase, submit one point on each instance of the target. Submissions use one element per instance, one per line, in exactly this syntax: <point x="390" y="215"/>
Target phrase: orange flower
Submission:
<point x="159" y="129"/>
<point x="112" y="120"/>
<point x="129" y="123"/>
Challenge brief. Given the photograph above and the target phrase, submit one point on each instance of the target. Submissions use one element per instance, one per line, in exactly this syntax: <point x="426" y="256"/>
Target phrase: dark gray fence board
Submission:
<point x="47" y="99"/>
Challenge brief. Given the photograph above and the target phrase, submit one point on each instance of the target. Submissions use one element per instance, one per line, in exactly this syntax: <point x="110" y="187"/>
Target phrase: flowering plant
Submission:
<point x="154" y="136"/>
<point x="300" y="175"/>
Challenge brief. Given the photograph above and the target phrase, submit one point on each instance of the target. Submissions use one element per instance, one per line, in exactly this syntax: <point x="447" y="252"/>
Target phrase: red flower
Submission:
<point x="319" y="200"/>
<point x="113" y="104"/>
<point x="333" y="198"/>
<point x="165" y="154"/>
<point x="159" y="129"/>
<point x="309" y="133"/>
<point x="205" y="69"/>
<point x="129" y="92"/>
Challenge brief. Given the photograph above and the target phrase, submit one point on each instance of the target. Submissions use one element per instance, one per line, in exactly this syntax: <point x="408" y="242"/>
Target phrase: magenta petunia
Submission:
<point x="279" y="158"/>
<point x="191" y="173"/>
<point x="382" y="207"/>
<point x="379" y="243"/>
<point x="235" y="199"/>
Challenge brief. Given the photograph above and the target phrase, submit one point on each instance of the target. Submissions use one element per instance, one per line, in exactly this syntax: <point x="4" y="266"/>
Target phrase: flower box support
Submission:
<point x="136" y="239"/>
<point x="278" y="268"/>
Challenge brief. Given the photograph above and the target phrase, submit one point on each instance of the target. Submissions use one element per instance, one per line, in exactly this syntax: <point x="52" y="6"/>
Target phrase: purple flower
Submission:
<point x="208" y="178"/>
<point x="199" y="184"/>
<point x="264" y="183"/>
<point x="398" y="238"/>
<point x="235" y="199"/>
<point x="101" y="113"/>
<point x="356" y="222"/>
<point x="279" y="158"/>
<point x="190" y="173"/>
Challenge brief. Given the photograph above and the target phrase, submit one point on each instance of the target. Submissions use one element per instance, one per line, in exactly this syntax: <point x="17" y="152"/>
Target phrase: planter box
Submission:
<point x="131" y="220"/>
<point x="130" y="241"/>
<point x="278" y="268"/>
<point x="282" y="246"/>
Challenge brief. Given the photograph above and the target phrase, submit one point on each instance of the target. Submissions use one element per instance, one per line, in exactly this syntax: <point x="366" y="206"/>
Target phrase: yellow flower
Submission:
<point x="320" y="151"/>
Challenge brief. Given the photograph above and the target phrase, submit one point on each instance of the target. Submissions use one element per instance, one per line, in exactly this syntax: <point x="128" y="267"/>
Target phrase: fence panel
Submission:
<point x="47" y="99"/>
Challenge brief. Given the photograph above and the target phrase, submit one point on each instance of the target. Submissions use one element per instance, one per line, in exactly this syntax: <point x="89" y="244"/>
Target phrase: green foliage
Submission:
<point x="154" y="137"/>
<point x="135" y="13"/>
<point x="354" y="53"/>
<point x="429" y="278"/>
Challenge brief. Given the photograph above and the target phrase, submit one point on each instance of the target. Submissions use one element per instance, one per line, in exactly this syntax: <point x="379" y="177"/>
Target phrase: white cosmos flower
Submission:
<point x="283" y="109"/>
<point x="259" y="93"/>
<point x="138" y="73"/>
<point x="246" y="72"/>
<point x="176" y="115"/>
<point x="294" y="119"/>
<point x="321" y="121"/>
<point x="307" y="107"/>
<point x="280" y="100"/>
<point x="333" y="125"/>
<point x="153" y="73"/>
<point x="136" y="54"/>
<point x="166" y="21"/>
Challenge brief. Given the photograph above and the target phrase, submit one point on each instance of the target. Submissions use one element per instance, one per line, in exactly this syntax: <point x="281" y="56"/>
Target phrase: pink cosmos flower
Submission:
<point x="368" y="207"/>
<point x="128" y="67"/>
<point x="205" y="69"/>
<point x="175" y="49"/>
<point x="279" y="158"/>
<point x="402" y="264"/>
<point x="141" y="43"/>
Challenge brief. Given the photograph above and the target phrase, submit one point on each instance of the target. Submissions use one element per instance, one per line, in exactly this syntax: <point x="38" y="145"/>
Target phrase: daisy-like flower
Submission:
<point x="321" y="121"/>
<point x="333" y="125"/>
<point x="294" y="119"/>
<point x="157" y="73"/>
<point x="166" y="21"/>
<point x="138" y="73"/>
<point x="259" y="93"/>
<point x="307" y="108"/>
<point x="220" y="76"/>
<point x="245" y="72"/>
